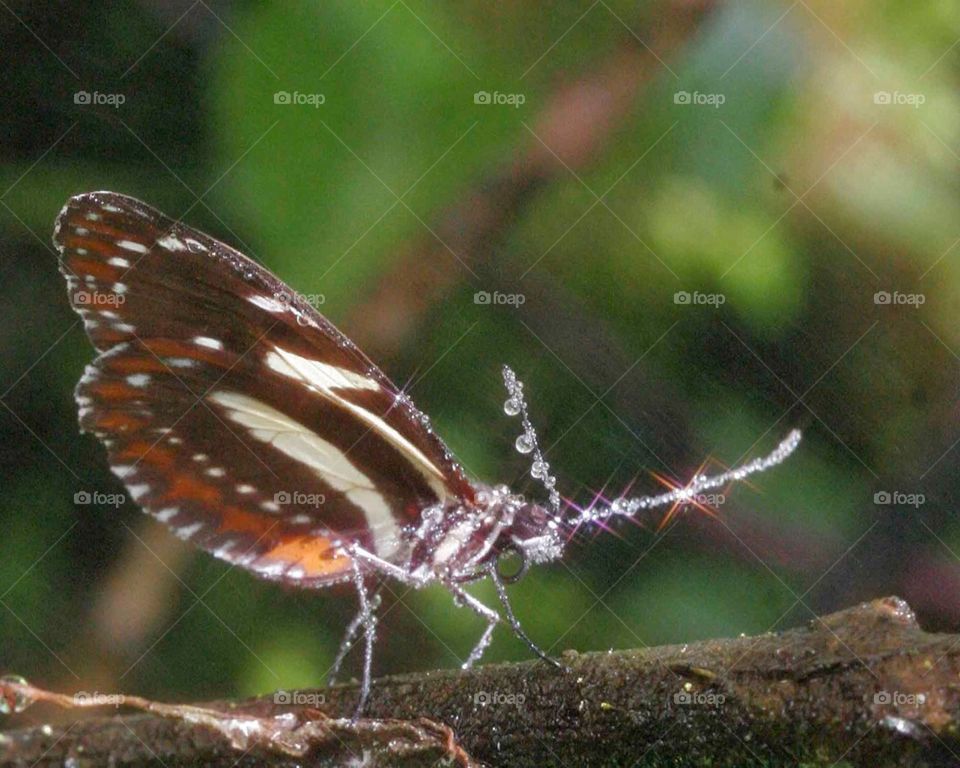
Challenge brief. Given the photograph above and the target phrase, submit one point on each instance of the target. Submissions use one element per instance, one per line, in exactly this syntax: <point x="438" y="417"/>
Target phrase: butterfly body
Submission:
<point x="461" y="544"/>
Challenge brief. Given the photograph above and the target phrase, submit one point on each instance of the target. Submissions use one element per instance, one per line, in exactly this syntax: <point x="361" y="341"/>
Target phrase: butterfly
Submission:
<point x="241" y="418"/>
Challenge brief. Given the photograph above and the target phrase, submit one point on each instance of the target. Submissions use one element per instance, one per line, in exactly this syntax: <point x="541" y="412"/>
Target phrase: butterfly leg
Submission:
<point x="369" y="622"/>
<point x="485" y="612"/>
<point x="348" y="639"/>
<point x="388" y="569"/>
<point x="515" y="623"/>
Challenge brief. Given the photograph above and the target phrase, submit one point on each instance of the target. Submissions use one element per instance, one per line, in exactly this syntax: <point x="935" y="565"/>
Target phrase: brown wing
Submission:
<point x="232" y="410"/>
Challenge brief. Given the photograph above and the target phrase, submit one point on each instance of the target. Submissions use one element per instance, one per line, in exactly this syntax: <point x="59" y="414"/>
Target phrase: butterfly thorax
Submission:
<point x="458" y="542"/>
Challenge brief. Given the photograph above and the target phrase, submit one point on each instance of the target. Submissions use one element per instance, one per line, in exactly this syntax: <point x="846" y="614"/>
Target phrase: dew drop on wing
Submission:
<point x="11" y="701"/>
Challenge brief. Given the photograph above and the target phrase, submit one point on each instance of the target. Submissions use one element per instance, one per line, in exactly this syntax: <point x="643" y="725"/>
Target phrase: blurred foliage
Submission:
<point x="796" y="199"/>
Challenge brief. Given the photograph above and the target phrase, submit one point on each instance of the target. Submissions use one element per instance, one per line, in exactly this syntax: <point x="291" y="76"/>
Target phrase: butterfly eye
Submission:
<point x="511" y="564"/>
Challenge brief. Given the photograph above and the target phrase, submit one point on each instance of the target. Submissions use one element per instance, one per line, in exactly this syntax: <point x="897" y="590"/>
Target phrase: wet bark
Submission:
<point x="866" y="685"/>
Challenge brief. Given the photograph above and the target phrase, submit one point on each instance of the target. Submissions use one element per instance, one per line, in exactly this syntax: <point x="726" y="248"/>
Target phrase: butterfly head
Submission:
<point x="532" y="536"/>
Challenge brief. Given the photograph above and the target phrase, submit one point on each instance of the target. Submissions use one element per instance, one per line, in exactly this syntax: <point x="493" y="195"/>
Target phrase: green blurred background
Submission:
<point x="598" y="199"/>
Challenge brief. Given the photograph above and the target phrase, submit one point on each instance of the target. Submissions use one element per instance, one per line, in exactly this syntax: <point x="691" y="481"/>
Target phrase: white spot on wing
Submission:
<point x="224" y="549"/>
<point x="265" y="302"/>
<point x="131" y="245"/>
<point x="138" y="379"/>
<point x="117" y="261"/>
<point x="208" y="341"/>
<point x="270" y="568"/>
<point x="171" y="243"/>
<point x="188" y="531"/>
<point x="167" y="514"/>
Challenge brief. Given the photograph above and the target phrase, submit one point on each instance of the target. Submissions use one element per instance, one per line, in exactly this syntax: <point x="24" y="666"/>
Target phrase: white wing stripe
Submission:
<point x="324" y="378"/>
<point x="331" y="465"/>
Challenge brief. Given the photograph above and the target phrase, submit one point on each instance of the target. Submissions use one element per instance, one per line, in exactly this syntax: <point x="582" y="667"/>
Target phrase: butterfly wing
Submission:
<point x="231" y="409"/>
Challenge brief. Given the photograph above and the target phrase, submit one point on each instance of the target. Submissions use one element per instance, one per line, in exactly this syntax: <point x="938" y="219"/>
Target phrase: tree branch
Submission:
<point x="865" y="685"/>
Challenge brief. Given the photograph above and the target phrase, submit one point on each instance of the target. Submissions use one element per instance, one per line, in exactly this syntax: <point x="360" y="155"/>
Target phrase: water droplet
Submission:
<point x="511" y="407"/>
<point x="539" y="469"/>
<point x="13" y="701"/>
<point x="524" y="443"/>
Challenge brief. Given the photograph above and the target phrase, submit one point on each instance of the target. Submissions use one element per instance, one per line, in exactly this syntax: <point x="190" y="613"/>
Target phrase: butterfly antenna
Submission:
<point x="625" y="507"/>
<point x="527" y="443"/>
